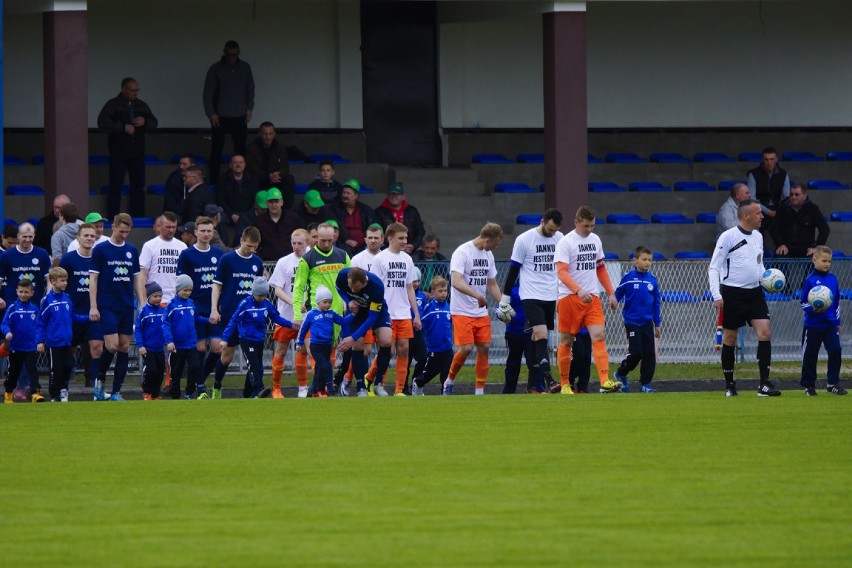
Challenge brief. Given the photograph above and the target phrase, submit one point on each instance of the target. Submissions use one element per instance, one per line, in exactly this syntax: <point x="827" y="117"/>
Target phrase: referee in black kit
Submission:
<point x="734" y="275"/>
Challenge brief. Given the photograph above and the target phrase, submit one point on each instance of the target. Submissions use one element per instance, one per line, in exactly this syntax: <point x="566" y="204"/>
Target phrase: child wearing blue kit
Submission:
<point x="641" y="294"/>
<point x="55" y="330"/>
<point x="181" y="339"/>
<point x="19" y="329"/>
<point x="150" y="340"/>
<point x="320" y="323"/>
<point x="438" y="333"/>
<point x="821" y="327"/>
<point x="519" y="345"/>
<point x="249" y="321"/>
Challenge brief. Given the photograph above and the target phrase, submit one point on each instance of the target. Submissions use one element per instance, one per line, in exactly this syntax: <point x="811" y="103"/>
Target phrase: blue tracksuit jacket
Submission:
<point x="149" y="328"/>
<point x="641" y="294"/>
<point x="250" y="320"/>
<point x="831" y="316"/>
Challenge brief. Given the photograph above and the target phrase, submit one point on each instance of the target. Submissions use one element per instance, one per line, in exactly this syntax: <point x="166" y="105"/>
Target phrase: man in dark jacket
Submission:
<point x="770" y="185"/>
<point x="799" y="225"/>
<point x="353" y="216"/>
<point x="276" y="226"/>
<point x="126" y="119"/>
<point x="236" y="194"/>
<point x="395" y="209"/>
<point x="174" y="191"/>
<point x="198" y="194"/>
<point x="267" y="160"/>
<point x="228" y="102"/>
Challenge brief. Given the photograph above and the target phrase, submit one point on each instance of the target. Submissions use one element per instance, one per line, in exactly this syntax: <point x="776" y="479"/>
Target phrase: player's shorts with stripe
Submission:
<point x="539" y="312"/>
<point x="402" y="329"/>
<point x="741" y="305"/>
<point x="468" y="329"/>
<point x="382" y="320"/>
<point x="117" y="321"/>
<point x="575" y="314"/>
<point x="285" y="334"/>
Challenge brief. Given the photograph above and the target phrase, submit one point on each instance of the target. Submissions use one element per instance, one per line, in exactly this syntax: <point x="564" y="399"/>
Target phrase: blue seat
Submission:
<point x="626" y="219"/>
<point x="125" y="189"/>
<point x="624" y="158"/>
<point x="706" y="218"/>
<point x="801" y="157"/>
<point x="367" y="190"/>
<point x="842" y="216"/>
<point x="713" y="157"/>
<point x="605" y="187"/>
<point x="678" y="296"/>
<point x="490" y="159"/>
<point x="24" y="190"/>
<point x="693" y="186"/>
<point x="826" y="184"/>
<point x="777" y="297"/>
<point x="335" y="158"/>
<point x="33" y="221"/>
<point x="13" y="161"/>
<point x="750" y="156"/>
<point x="143" y="222"/>
<point x="98" y="160"/>
<point x="846" y="293"/>
<point x="669" y="158"/>
<point x="671" y="219"/>
<point x="8" y="221"/>
<point x="514" y="188"/>
<point x="838" y="254"/>
<point x="610" y="256"/>
<point x="729" y="184"/>
<point x="156" y="189"/>
<point x="530" y="158"/>
<point x="648" y="186"/>
<point x="690" y="254"/>
<point x="152" y="160"/>
<point x="300" y="189"/>
<point x="593" y="160"/>
<point x="295" y="161"/>
<point x="528" y="219"/>
<point x="655" y="256"/>
<point x="839" y="156"/>
<point x="38" y="159"/>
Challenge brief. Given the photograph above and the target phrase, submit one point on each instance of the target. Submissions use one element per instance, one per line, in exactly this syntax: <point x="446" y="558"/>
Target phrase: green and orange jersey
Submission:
<point x="317" y="267"/>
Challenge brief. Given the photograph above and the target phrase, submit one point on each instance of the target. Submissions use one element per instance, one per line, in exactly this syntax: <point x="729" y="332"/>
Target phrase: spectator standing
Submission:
<point x="275" y="226"/>
<point x="328" y="187"/>
<point x="268" y="161"/>
<point x="126" y="119"/>
<point x="228" y="103"/>
<point x="235" y="194"/>
<point x="770" y="185"/>
<point x="174" y="190"/>
<point x="395" y="209"/>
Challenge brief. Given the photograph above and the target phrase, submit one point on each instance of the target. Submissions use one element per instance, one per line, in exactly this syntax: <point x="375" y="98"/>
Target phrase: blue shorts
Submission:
<point x="85" y="332"/>
<point x="382" y="320"/>
<point x="113" y="321"/>
<point x="205" y="331"/>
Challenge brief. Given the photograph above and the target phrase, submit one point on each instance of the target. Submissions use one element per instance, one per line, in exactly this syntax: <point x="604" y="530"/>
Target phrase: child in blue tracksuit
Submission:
<point x="150" y="341"/>
<point x="641" y="294"/>
<point x="320" y="323"/>
<point x="438" y="333"/>
<point x="249" y="321"/>
<point x="519" y="344"/>
<point x="417" y="345"/>
<point x="19" y="329"/>
<point x="181" y="340"/>
<point x="821" y="328"/>
<point x="55" y="331"/>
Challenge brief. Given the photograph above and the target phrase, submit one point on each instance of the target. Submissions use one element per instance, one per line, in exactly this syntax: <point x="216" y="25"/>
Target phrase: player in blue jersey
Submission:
<point x="200" y="262"/>
<point x="114" y="280"/>
<point x="77" y="263"/>
<point x="232" y="283"/>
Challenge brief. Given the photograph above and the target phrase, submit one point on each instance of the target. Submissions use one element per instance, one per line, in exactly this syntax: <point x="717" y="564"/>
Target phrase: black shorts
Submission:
<point x="539" y="312"/>
<point x="742" y="305"/>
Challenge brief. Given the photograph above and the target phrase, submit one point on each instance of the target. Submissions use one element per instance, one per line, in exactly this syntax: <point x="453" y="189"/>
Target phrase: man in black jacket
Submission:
<point x="236" y="194"/>
<point x="799" y="225"/>
<point x="174" y="192"/>
<point x="395" y="209"/>
<point x="353" y="217"/>
<point x="126" y="119"/>
<point x="770" y="185"/>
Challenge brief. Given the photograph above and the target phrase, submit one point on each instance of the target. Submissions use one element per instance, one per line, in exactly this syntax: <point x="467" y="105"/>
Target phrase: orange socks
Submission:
<point x="563" y="359"/>
<point x="371" y="374"/>
<point x="481" y="370"/>
<point x="601" y="360"/>
<point x="401" y="372"/>
<point x="301" y="365"/>
<point x="277" y="371"/>
<point x="457" y="364"/>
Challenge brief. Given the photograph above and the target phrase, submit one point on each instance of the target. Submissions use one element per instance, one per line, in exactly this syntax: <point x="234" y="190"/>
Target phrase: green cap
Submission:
<point x="314" y="199"/>
<point x="273" y="193"/>
<point x="94" y="217"/>
<point x="260" y="199"/>
<point x="395" y="187"/>
<point x="353" y="183"/>
<point x="333" y="223"/>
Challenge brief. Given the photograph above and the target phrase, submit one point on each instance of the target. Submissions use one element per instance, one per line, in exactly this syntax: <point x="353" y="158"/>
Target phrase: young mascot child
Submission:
<point x="150" y="339"/>
<point x="55" y="330"/>
<point x="438" y="333"/>
<point x="181" y="339"/>
<point x="19" y="328"/>
<point x="320" y="323"/>
<point x="821" y="327"/>
<point x="249" y="321"/>
<point x="641" y="294"/>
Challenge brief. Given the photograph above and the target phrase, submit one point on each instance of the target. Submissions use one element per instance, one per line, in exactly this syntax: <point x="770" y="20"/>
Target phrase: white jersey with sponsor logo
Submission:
<point x="582" y="255"/>
<point x="283" y="277"/>
<point x="476" y="267"/>
<point x="737" y="261"/>
<point x="364" y="260"/>
<point x="535" y="252"/>
<point x="160" y="258"/>
<point x="396" y="270"/>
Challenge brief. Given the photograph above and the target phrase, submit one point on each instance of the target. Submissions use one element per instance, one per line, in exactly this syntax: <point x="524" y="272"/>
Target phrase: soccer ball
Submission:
<point x="773" y="280"/>
<point x="820" y="298"/>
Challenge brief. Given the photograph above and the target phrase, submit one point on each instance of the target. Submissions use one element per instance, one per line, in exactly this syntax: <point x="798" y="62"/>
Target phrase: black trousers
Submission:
<point x="437" y="363"/>
<point x="61" y="362"/>
<point x="640" y="348"/>
<point x="322" y="368"/>
<point x="520" y="346"/>
<point x="253" y="355"/>
<point x="581" y="362"/>
<point x="178" y="359"/>
<point x="238" y="129"/>
<point x="153" y="371"/>
<point x="417" y="352"/>
<point x="135" y="169"/>
<point x="18" y="360"/>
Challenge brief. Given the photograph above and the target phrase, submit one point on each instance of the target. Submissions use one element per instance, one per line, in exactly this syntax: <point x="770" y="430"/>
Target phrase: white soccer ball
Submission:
<point x="773" y="280"/>
<point x="820" y="298"/>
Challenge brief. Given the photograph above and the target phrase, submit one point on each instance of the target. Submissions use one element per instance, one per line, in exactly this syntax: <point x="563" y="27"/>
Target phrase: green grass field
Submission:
<point x="669" y="479"/>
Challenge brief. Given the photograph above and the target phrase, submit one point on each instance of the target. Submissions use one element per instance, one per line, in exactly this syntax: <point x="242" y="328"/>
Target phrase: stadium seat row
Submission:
<point x="664" y="219"/>
<point x="667" y="158"/>
<point x="152" y="160"/>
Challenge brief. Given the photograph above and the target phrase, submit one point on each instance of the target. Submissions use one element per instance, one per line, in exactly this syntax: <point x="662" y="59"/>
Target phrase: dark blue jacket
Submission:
<point x="21" y="319"/>
<point x="518" y="324"/>
<point x="56" y="320"/>
<point x="179" y="323"/>
<point x="149" y="328"/>
<point x="641" y="294"/>
<point x="437" y="326"/>
<point x="250" y="320"/>
<point x="831" y="316"/>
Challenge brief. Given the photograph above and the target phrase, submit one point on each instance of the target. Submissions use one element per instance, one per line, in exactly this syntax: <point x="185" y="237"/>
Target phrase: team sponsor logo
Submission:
<point x="121" y="270"/>
<point x="129" y="255"/>
<point x="35" y="261"/>
<point x="214" y="260"/>
<point x="207" y="277"/>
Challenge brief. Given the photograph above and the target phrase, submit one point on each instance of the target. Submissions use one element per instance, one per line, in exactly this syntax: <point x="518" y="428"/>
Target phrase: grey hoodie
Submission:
<point x="62" y="238"/>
